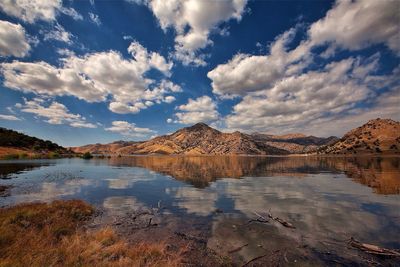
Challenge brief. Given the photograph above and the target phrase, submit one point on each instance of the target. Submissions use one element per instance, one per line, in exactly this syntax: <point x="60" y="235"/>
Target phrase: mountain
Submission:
<point x="295" y="143"/>
<point x="14" y="143"/>
<point x="198" y="139"/>
<point x="376" y="136"/>
<point x="201" y="139"/>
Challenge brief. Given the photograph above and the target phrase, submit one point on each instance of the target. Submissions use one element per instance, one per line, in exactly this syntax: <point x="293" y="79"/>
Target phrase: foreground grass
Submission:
<point x="41" y="234"/>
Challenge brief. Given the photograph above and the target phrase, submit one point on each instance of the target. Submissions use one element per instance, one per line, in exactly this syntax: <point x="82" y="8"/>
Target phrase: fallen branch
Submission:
<point x="281" y="221"/>
<point x="260" y="216"/>
<point x="373" y="249"/>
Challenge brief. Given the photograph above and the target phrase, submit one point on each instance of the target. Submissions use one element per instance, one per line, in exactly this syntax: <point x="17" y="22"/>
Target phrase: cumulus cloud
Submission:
<point x="282" y="92"/>
<point x="169" y="99"/>
<point x="303" y="101"/>
<point x="246" y="73"/>
<point x="193" y="22"/>
<point x="9" y="117"/>
<point x="94" y="18"/>
<point x="349" y="24"/>
<point x="13" y="40"/>
<point x="201" y="109"/>
<point x="128" y="129"/>
<point x="54" y="113"/>
<point x="355" y="25"/>
<point x="34" y="10"/>
<point x="97" y="77"/>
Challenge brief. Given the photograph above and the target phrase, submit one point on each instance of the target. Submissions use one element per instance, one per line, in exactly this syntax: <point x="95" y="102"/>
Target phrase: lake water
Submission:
<point x="326" y="199"/>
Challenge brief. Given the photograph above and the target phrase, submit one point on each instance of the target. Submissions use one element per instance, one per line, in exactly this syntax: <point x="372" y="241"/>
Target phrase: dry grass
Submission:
<point x="42" y="234"/>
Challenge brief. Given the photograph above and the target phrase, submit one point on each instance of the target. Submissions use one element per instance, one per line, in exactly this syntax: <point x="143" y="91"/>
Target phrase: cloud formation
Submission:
<point x="283" y="92"/>
<point x="31" y="11"/>
<point x="201" y="109"/>
<point x="97" y="77"/>
<point x="13" y="40"/>
<point x="128" y="129"/>
<point x="54" y="113"/>
<point x="193" y="22"/>
<point x="354" y="25"/>
<point x="9" y="117"/>
<point x="58" y="33"/>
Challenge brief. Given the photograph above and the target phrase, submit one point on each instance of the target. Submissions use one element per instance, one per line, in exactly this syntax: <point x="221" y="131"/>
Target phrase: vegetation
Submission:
<point x="41" y="234"/>
<point x="10" y="138"/>
<point x="87" y="155"/>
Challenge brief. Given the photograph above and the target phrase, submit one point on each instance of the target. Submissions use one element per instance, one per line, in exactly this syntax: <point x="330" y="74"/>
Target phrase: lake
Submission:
<point x="327" y="199"/>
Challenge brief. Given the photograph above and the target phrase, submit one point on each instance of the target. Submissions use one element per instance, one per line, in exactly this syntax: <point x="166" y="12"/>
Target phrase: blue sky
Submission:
<point x="79" y="72"/>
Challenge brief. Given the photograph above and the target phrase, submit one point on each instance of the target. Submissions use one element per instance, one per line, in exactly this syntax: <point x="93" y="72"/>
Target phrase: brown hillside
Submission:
<point x="198" y="139"/>
<point x="376" y="136"/>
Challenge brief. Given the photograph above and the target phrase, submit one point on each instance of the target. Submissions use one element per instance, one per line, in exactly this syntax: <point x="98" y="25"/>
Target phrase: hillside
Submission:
<point x="201" y="139"/>
<point x="295" y="143"/>
<point x="14" y="143"/>
<point x="198" y="139"/>
<point x="376" y="136"/>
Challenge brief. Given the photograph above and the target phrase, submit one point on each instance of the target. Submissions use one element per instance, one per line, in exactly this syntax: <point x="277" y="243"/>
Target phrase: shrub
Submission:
<point x="87" y="155"/>
<point x="53" y="155"/>
<point x="11" y="156"/>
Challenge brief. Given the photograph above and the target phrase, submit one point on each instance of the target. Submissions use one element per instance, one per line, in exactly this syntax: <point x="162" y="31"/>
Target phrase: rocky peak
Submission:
<point x="200" y="127"/>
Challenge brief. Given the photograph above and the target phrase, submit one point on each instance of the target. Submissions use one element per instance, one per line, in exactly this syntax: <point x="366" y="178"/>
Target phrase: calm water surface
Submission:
<point x="325" y="198"/>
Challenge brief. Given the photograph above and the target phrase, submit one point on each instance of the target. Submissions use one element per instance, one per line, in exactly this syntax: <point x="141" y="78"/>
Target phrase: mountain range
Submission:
<point x="376" y="136"/>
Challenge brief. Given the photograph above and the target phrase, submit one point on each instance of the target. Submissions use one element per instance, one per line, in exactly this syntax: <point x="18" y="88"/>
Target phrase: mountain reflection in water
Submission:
<point x="326" y="198"/>
<point x="382" y="174"/>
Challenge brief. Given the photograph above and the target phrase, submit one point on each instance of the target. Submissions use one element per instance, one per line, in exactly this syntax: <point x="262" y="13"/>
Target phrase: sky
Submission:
<point x="80" y="72"/>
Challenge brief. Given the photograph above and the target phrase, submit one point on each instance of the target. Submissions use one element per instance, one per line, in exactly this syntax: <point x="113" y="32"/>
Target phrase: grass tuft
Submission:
<point x="41" y="234"/>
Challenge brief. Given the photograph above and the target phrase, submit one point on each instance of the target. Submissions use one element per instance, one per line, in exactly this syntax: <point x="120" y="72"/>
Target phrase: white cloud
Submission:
<point x="384" y="106"/>
<point x="54" y="113"/>
<point x="355" y="25"/>
<point x="95" y="18"/>
<point x="201" y="109"/>
<point x="34" y="10"/>
<point x="97" y="77"/>
<point x="248" y="73"/>
<point x="193" y="22"/>
<point x="13" y="40"/>
<point x="302" y="102"/>
<point x="349" y="24"/>
<point x="128" y="129"/>
<point x="65" y="52"/>
<point x="169" y="99"/>
<point x="9" y="117"/>
<point x="278" y="93"/>
<point x="58" y="34"/>
<point x="71" y="12"/>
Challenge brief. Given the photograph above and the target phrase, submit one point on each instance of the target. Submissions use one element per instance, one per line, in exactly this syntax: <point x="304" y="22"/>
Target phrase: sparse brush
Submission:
<point x="42" y="234"/>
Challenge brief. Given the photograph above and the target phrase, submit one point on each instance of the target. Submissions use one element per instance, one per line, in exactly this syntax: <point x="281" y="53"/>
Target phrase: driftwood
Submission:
<point x="373" y="249"/>
<point x="260" y="216"/>
<point x="281" y="221"/>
